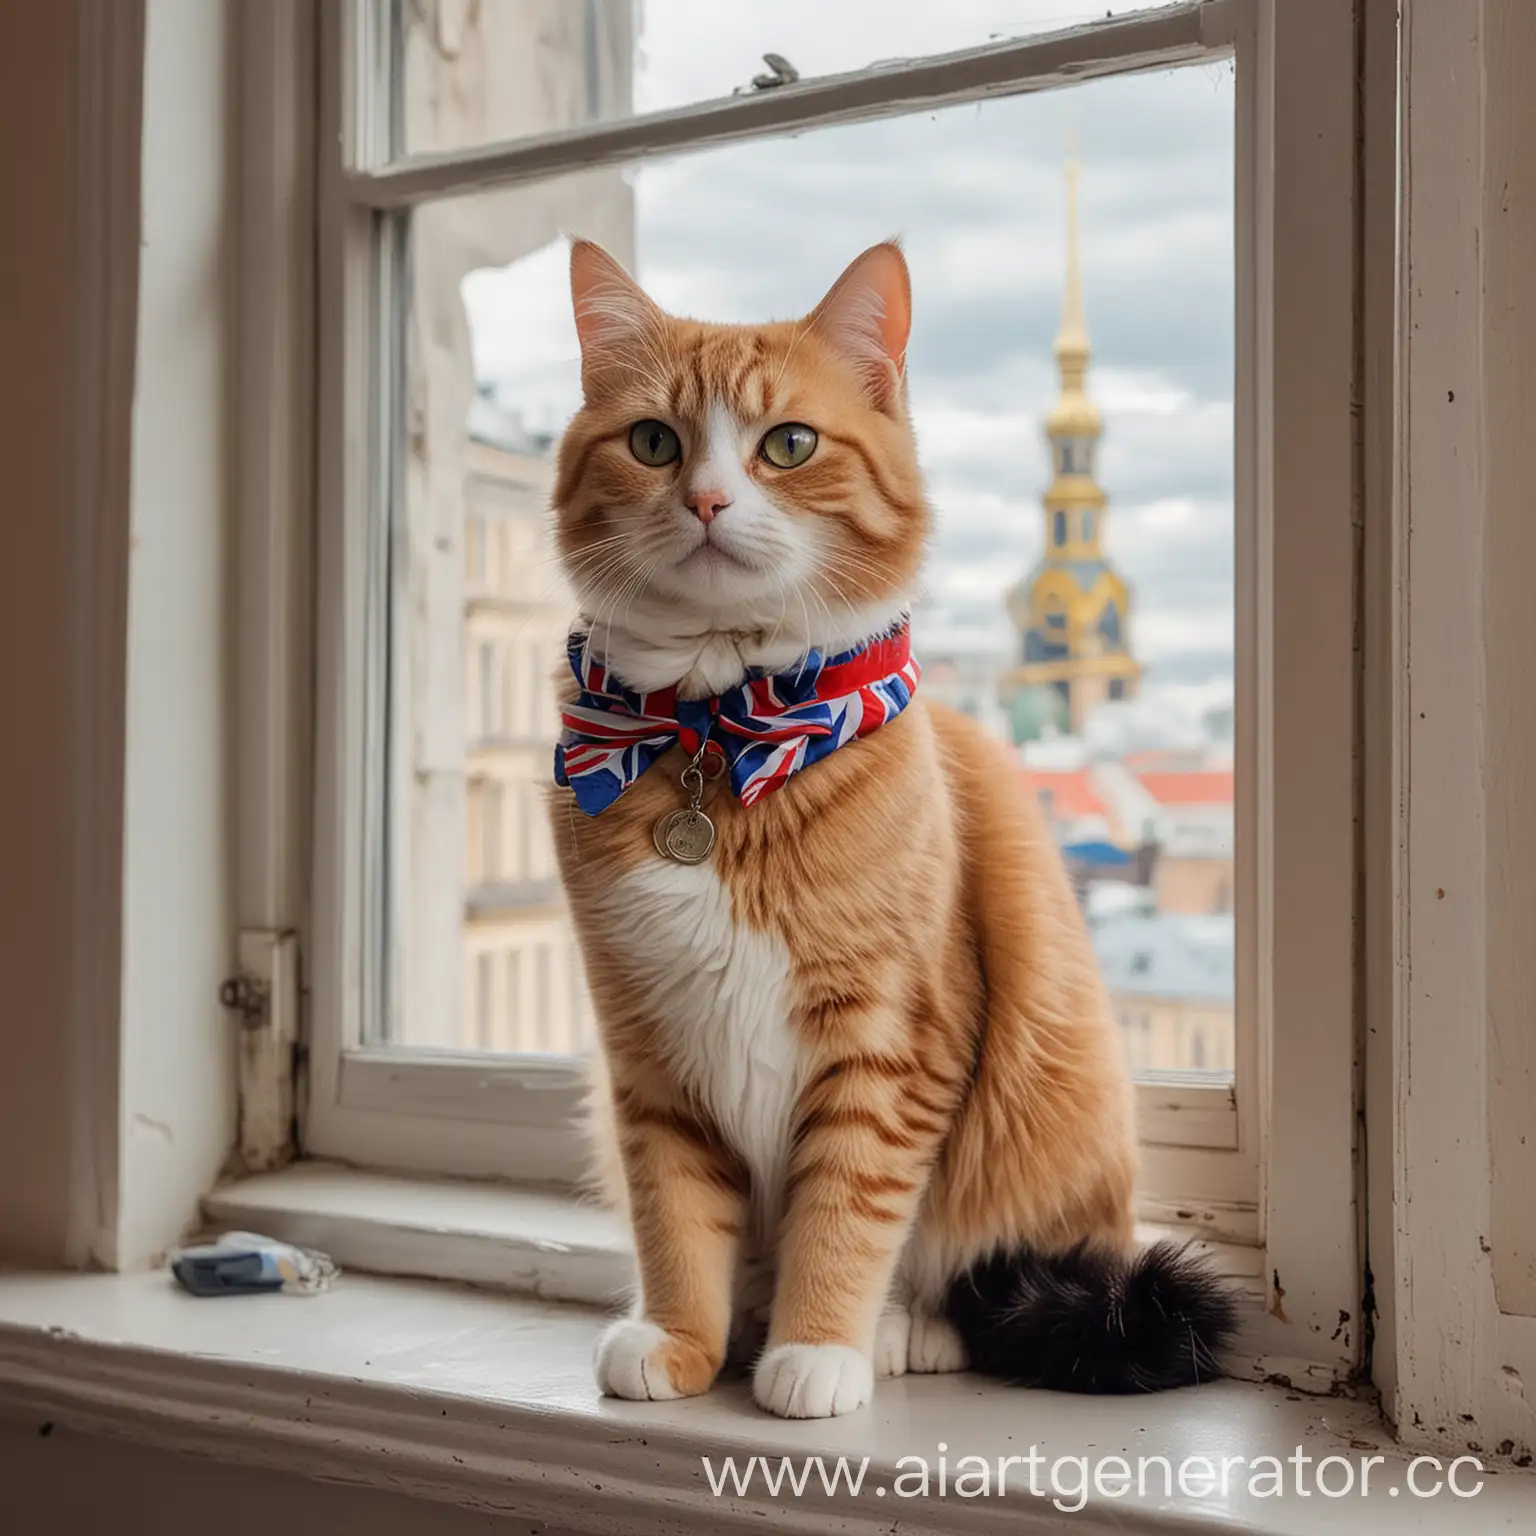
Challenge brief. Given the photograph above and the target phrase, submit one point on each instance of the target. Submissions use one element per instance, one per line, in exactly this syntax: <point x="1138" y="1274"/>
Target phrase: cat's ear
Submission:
<point x="867" y="316"/>
<point x="612" y="311"/>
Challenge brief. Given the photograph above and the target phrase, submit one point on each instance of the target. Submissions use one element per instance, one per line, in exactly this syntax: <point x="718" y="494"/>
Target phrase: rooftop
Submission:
<point x="493" y="424"/>
<point x="1065" y="793"/>
<point x="1189" y="786"/>
<point x="1168" y="955"/>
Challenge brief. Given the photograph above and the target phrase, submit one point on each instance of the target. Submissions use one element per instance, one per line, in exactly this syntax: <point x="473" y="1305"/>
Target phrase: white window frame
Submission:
<point x="1267" y="1163"/>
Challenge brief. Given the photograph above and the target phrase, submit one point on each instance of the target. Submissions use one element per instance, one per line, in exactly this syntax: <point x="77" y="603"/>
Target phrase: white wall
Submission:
<point x="117" y="1092"/>
<point x="178" y="1081"/>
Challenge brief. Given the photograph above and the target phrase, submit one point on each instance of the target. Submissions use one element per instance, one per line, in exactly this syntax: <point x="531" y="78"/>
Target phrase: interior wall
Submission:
<point x="68" y="269"/>
<point x="178" y="1109"/>
<point x="1509" y="567"/>
<point x="117" y="1065"/>
<point x="62" y="1484"/>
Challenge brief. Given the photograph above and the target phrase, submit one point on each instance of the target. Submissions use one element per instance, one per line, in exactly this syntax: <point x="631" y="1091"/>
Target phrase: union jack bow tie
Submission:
<point x="767" y="727"/>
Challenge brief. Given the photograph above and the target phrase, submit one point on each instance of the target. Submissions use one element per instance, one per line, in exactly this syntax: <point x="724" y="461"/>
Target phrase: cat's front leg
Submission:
<point x="687" y="1201"/>
<point x="869" y="1131"/>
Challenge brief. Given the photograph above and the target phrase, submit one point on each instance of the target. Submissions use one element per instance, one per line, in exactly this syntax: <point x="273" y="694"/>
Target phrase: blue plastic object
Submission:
<point x="215" y="1269"/>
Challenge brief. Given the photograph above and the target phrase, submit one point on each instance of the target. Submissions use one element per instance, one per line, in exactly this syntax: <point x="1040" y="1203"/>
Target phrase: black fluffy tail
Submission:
<point x="1090" y="1322"/>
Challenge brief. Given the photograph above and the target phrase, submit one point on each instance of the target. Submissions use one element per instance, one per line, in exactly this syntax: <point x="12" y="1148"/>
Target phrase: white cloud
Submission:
<point x="758" y="230"/>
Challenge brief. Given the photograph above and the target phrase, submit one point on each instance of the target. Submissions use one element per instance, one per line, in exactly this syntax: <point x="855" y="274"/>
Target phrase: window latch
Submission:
<point x="248" y="995"/>
<point x="784" y="73"/>
<point x="264" y="992"/>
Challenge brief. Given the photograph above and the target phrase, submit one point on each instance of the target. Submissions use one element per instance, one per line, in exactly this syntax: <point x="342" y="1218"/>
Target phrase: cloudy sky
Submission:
<point x="760" y="230"/>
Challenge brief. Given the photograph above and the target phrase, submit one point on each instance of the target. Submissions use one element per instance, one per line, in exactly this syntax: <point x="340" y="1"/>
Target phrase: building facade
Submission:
<point x="523" y="986"/>
<point x="1170" y="978"/>
<point x="1072" y="612"/>
<point x="481" y="955"/>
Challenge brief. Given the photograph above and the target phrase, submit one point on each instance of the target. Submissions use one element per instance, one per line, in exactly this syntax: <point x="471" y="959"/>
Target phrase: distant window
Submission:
<point x="591" y="51"/>
<point x="1087" y="534"/>
<point x="1117" y="687"/>
<point x="514" y="1008"/>
<point x="490" y="831"/>
<point x="1075" y="456"/>
<point x="483" y="1001"/>
<point x="476" y="553"/>
<point x="488" y="694"/>
<point x="1109" y="624"/>
<point x="537" y="723"/>
<point x="1141" y="963"/>
<point x="1058" y="528"/>
<point x="1197" y="1050"/>
<point x="1056" y="619"/>
<point x="542" y="998"/>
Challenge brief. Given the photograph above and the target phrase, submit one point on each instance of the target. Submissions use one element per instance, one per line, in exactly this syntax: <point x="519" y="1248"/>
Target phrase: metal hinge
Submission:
<point x="264" y="992"/>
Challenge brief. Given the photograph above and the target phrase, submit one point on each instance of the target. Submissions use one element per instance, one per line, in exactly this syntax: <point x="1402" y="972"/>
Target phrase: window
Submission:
<point x="446" y="271"/>
<point x="489" y="722"/>
<point x="491" y="867"/>
<point x="477" y="540"/>
<point x="1075" y="456"/>
<point x="516" y="1013"/>
<point x="485" y="1001"/>
<point x="1109" y="626"/>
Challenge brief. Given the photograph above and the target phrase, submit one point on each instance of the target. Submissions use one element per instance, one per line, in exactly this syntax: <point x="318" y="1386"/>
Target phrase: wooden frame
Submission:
<point x="1268" y="1164"/>
<point x="1449" y="1065"/>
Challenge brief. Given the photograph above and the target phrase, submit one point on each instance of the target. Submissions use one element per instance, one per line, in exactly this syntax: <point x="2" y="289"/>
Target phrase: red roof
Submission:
<point x="1195" y="787"/>
<point x="1071" y="792"/>
<point x="1167" y="759"/>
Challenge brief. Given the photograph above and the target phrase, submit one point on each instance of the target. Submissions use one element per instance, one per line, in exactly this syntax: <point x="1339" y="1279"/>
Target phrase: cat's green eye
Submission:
<point x="790" y="445"/>
<point x="654" y="443"/>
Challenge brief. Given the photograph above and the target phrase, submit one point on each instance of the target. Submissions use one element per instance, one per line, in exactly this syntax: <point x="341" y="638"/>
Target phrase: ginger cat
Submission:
<point x="860" y="1073"/>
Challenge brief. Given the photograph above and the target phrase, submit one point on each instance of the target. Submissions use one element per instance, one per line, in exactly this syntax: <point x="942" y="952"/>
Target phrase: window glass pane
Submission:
<point x="1103" y="667"/>
<point x="472" y="74"/>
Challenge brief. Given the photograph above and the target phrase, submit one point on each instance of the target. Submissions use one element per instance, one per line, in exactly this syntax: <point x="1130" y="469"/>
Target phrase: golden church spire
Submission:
<point x="1072" y="611"/>
<point x="1072" y="349"/>
<point x="1074" y="415"/>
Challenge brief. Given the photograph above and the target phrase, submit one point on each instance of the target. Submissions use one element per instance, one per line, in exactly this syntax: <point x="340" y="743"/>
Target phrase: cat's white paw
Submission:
<point x="893" y="1331"/>
<point x="630" y="1363"/>
<point x="934" y="1346"/>
<point x="812" y="1381"/>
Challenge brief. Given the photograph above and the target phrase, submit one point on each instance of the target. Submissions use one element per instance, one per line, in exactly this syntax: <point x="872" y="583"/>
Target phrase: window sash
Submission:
<point x="1195" y="31"/>
<point x="1203" y="1143"/>
<point x="1149" y="40"/>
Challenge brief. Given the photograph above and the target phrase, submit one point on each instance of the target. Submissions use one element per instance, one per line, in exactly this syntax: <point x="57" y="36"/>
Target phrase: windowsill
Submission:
<point x="546" y="1245"/>
<point x="537" y="1242"/>
<point x="488" y="1401"/>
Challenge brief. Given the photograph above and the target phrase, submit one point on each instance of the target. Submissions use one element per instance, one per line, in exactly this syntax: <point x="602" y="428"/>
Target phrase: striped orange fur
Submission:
<point x="865" y="1045"/>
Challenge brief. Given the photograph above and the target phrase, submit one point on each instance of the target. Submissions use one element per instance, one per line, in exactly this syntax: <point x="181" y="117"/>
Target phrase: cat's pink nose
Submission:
<point x="707" y="505"/>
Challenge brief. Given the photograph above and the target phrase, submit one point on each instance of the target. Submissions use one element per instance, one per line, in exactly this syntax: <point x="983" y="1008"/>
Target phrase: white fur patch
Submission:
<point x="812" y="1381"/>
<point x="720" y="995"/>
<point x="625" y="1367"/>
<point x="893" y="1333"/>
<point x="934" y="1346"/>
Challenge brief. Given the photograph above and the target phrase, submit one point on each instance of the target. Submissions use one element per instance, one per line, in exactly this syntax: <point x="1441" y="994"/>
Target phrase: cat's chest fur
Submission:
<point x="720" y="994"/>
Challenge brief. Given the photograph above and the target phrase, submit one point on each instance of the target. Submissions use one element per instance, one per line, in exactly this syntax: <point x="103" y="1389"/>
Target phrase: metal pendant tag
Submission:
<point x="688" y="835"/>
<point x="685" y="837"/>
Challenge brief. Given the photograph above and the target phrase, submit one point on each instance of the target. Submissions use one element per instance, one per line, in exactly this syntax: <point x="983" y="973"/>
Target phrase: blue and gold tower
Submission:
<point x="1072" y="611"/>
